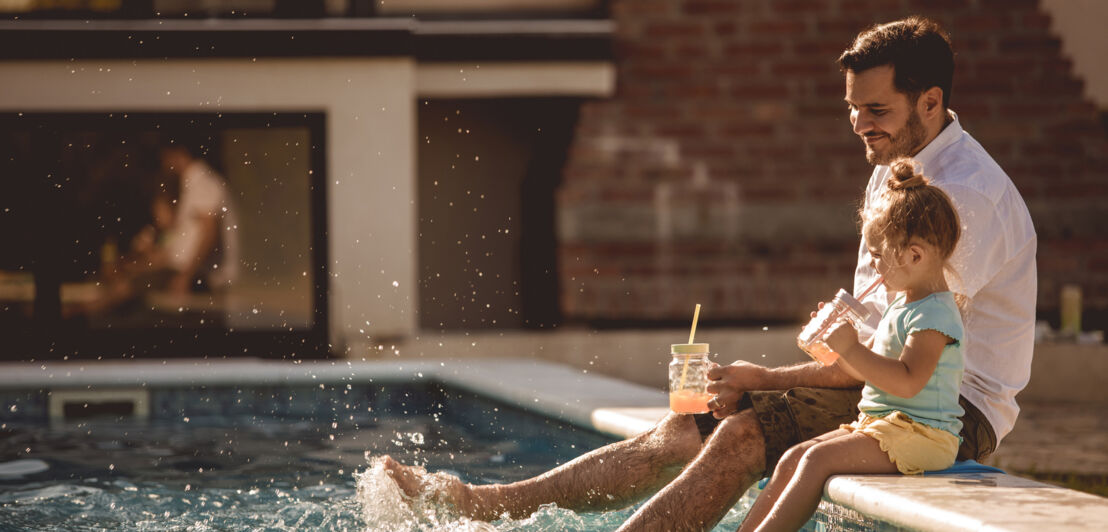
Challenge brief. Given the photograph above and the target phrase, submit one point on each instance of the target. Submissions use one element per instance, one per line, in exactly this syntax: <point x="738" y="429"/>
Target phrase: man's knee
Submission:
<point x="675" y="434"/>
<point x="741" y="426"/>
<point x="740" y="442"/>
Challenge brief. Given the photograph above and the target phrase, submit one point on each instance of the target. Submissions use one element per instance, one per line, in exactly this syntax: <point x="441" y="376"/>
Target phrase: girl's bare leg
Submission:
<point x="854" y="453"/>
<point x="786" y="468"/>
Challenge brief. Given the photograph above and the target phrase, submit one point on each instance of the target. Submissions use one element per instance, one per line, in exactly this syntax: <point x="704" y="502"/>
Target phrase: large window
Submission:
<point x="137" y="235"/>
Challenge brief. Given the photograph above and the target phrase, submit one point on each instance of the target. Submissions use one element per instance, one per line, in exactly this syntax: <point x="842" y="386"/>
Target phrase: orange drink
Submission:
<point x="821" y="353"/>
<point x="689" y="401"/>
<point x="688" y="378"/>
<point x="843" y="307"/>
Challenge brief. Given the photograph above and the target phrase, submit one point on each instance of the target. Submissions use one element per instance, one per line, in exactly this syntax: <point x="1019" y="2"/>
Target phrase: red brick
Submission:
<point x="626" y="9"/>
<point x="664" y="30"/>
<point x="660" y="112"/>
<point x="683" y="131"/>
<point x="1055" y="87"/>
<point x="672" y="71"/>
<point x="1032" y="43"/>
<point x="845" y="28"/>
<point x="998" y="20"/>
<point x="804" y="68"/>
<point x="784" y="137"/>
<point x="711" y="7"/>
<point x="725" y="27"/>
<point x="747" y="129"/>
<point x="983" y="87"/>
<point x="1011" y="5"/>
<point x="976" y="43"/>
<point x="992" y="66"/>
<point x="819" y="48"/>
<point x="627" y="50"/>
<point x="757" y="49"/>
<point x="1035" y="20"/>
<point x="702" y="150"/>
<point x="778" y="27"/>
<point x="693" y="51"/>
<point x="932" y="8"/>
<point x="768" y="90"/>
<point x="799" y="7"/>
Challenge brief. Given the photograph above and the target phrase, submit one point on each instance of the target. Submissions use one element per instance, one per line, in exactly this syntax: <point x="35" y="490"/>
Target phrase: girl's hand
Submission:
<point x="841" y="337"/>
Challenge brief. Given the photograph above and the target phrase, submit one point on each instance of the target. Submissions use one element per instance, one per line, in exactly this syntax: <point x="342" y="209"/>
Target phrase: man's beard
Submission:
<point x="904" y="143"/>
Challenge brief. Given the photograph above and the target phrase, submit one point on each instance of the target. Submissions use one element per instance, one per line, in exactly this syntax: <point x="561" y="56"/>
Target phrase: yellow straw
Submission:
<point x="695" y="316"/>
<point x="692" y="334"/>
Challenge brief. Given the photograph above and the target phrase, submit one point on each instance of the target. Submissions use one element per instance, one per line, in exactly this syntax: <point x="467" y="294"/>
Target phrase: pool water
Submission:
<point x="281" y="459"/>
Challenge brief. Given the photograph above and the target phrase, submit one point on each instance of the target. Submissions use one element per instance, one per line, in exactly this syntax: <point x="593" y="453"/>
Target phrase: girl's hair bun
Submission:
<point x="904" y="175"/>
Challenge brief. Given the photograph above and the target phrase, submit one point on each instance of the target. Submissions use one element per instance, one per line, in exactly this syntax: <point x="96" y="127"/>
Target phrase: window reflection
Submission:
<point x="141" y="223"/>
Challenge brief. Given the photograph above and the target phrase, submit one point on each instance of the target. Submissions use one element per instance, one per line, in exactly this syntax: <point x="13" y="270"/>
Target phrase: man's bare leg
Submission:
<point x="613" y="476"/>
<point x="733" y="458"/>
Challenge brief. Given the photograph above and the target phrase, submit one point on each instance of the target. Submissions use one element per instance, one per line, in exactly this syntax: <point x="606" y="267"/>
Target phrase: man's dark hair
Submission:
<point x="917" y="48"/>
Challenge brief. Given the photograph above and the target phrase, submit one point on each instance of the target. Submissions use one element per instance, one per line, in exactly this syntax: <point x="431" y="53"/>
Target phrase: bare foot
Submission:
<point x="417" y="483"/>
<point x="408" y="478"/>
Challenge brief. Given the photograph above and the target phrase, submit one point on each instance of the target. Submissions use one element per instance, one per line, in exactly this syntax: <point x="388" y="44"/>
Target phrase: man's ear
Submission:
<point x="915" y="253"/>
<point x="930" y="102"/>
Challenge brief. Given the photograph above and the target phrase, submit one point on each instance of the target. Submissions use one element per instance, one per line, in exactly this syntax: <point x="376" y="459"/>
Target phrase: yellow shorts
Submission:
<point x="913" y="447"/>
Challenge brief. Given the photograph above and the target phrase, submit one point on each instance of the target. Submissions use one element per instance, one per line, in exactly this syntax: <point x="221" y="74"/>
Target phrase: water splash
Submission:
<point x="385" y="507"/>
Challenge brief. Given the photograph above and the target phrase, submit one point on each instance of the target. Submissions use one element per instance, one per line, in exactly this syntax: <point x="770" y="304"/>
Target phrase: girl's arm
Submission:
<point x="850" y="370"/>
<point x="902" y="377"/>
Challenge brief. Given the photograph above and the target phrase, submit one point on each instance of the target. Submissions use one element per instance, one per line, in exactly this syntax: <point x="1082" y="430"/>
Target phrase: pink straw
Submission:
<point x="871" y="288"/>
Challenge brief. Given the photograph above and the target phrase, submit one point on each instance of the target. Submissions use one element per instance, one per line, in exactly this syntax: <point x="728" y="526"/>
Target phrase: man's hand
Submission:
<point x="729" y="383"/>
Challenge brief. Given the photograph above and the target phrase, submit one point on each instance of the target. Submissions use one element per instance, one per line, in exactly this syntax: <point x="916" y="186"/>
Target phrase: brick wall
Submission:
<point x="724" y="170"/>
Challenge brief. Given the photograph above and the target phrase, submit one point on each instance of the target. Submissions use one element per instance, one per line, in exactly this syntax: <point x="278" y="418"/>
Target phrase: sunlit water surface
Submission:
<point x="264" y="474"/>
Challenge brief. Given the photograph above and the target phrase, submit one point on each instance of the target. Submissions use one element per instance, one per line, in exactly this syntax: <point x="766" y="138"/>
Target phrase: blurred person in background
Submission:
<point x="191" y="244"/>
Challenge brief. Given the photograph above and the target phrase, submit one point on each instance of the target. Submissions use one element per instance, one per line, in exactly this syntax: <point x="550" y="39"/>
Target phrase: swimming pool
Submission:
<point x="289" y="456"/>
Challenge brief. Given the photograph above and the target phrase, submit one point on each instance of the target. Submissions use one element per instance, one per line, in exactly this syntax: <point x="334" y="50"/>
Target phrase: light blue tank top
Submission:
<point x="936" y="405"/>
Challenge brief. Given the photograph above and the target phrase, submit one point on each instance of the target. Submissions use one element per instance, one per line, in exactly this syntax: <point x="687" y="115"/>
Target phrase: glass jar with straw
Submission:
<point x="844" y="306"/>
<point x="688" y="375"/>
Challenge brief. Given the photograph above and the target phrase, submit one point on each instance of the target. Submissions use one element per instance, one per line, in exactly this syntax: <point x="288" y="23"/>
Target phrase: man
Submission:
<point x="898" y="81"/>
<point x="200" y="245"/>
<point x="192" y="244"/>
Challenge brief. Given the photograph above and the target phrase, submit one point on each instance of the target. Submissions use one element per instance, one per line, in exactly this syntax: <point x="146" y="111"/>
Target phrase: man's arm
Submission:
<point x="208" y="225"/>
<point x="729" y="383"/>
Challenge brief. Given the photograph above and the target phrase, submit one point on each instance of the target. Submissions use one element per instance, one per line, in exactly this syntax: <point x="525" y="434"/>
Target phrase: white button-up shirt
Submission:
<point x="995" y="268"/>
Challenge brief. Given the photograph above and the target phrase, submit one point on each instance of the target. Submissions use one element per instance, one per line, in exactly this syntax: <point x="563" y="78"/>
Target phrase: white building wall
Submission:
<point x="370" y="109"/>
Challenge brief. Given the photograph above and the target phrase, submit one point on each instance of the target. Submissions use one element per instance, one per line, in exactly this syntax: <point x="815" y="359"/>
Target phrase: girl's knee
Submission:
<point x="817" y="457"/>
<point x="792" y="456"/>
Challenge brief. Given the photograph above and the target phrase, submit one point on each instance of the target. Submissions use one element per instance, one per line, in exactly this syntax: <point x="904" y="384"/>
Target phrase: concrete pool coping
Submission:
<point x="970" y="501"/>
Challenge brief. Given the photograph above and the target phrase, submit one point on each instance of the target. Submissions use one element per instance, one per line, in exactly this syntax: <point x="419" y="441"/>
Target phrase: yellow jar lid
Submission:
<point x="688" y="349"/>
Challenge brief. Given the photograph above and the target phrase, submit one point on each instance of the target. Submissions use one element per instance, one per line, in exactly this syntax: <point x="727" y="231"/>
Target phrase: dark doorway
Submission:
<point x="488" y="171"/>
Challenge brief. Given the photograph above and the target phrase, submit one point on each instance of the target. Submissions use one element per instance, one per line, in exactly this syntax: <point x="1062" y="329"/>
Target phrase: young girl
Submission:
<point x="909" y="419"/>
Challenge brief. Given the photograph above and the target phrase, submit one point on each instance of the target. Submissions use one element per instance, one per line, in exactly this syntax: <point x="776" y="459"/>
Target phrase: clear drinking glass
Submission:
<point x="843" y="305"/>
<point x="688" y="379"/>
